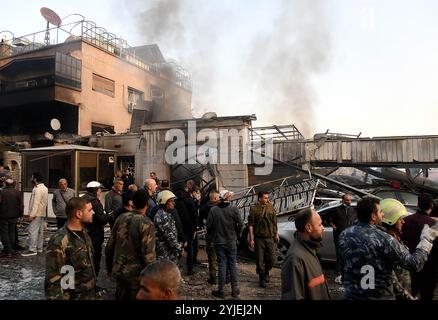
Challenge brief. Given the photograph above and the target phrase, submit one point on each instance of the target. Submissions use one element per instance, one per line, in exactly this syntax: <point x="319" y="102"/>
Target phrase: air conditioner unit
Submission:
<point x="131" y="106"/>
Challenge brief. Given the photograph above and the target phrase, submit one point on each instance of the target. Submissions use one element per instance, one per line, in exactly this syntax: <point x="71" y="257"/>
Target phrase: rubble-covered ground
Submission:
<point x="22" y="278"/>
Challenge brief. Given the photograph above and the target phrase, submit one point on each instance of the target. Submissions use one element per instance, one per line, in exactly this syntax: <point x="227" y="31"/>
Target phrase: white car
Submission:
<point x="287" y="229"/>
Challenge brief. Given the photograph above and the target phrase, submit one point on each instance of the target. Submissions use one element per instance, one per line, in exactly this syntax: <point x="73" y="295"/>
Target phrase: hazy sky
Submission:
<point x="348" y="66"/>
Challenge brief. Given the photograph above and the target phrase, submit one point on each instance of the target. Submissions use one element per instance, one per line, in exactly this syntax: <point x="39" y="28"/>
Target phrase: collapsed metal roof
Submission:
<point x="69" y="147"/>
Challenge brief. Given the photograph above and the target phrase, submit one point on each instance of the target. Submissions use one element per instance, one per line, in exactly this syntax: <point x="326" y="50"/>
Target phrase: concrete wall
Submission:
<point x="100" y="108"/>
<point x="149" y="150"/>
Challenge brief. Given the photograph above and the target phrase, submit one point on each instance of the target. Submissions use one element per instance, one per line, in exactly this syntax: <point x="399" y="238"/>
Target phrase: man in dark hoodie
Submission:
<point x="224" y="225"/>
<point x="100" y="219"/>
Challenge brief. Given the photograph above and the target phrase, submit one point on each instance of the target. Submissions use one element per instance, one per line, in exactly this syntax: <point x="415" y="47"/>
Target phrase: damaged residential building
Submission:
<point x="65" y="84"/>
<point x="89" y="81"/>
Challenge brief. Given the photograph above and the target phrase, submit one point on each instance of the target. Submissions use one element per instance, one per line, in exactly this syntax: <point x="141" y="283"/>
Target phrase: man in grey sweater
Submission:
<point x="59" y="201"/>
<point x="224" y="225"/>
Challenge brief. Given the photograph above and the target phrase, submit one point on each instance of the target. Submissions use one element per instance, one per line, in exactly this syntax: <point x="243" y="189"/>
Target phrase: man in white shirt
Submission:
<point x="37" y="212"/>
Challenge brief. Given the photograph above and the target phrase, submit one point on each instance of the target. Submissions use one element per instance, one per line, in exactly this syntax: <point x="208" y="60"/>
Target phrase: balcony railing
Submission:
<point x="89" y="32"/>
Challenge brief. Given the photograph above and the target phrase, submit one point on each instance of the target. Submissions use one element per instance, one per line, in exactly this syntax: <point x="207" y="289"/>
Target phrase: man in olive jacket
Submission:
<point x="301" y="273"/>
<point x="263" y="233"/>
<point x="70" y="273"/>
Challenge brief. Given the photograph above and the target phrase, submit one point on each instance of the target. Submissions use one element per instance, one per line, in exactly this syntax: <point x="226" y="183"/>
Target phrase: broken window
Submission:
<point x="98" y="127"/>
<point x="103" y="85"/>
<point x="134" y="98"/>
<point x="156" y="93"/>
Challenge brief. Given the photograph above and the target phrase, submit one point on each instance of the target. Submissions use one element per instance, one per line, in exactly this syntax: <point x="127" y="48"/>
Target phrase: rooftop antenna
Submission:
<point x="51" y="17"/>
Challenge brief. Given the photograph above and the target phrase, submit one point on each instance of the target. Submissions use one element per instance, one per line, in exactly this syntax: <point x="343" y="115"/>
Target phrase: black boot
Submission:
<point x="267" y="277"/>
<point x="262" y="281"/>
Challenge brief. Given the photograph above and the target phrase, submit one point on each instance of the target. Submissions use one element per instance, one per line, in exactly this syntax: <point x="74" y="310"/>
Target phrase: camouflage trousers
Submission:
<point x="212" y="259"/>
<point x="265" y="254"/>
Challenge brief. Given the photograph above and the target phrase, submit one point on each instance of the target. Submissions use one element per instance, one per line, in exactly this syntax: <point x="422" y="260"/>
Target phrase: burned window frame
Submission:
<point x="101" y="127"/>
<point x="103" y="85"/>
<point x="134" y="96"/>
<point x="68" y="70"/>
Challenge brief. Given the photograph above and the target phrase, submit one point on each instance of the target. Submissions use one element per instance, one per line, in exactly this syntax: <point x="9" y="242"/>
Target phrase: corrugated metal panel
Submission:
<point x="400" y="150"/>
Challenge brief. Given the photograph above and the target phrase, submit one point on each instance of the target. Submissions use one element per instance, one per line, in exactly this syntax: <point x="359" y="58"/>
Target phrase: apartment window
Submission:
<point x="68" y="70"/>
<point x="134" y="97"/>
<point x="99" y="127"/>
<point x="156" y="93"/>
<point x="103" y="85"/>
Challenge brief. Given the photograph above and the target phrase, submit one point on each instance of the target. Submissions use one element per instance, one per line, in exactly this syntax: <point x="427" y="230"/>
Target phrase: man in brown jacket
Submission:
<point x="263" y="234"/>
<point x="301" y="274"/>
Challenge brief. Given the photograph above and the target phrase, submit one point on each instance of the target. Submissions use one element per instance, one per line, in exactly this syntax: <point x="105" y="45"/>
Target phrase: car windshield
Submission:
<point x="386" y="194"/>
<point x="409" y="198"/>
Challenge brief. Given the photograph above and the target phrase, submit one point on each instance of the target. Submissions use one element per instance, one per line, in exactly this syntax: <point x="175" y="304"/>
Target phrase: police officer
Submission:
<point x="167" y="245"/>
<point x="71" y="246"/>
<point x="370" y="254"/>
<point x="263" y="233"/>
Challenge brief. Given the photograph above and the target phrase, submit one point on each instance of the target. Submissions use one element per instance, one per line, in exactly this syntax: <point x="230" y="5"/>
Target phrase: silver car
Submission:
<point x="287" y="229"/>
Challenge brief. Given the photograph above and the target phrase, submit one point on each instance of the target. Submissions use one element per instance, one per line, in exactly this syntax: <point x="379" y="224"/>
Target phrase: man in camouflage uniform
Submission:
<point x="370" y="254"/>
<point x="130" y="248"/>
<point x="263" y="234"/>
<point x="71" y="247"/>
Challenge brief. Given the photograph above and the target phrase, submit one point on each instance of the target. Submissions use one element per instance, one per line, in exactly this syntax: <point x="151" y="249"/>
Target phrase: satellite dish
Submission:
<point x="209" y="115"/>
<point x="55" y="124"/>
<point x="50" y="16"/>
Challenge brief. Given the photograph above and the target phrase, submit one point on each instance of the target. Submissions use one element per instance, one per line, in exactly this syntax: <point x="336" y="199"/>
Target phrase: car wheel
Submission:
<point x="282" y="247"/>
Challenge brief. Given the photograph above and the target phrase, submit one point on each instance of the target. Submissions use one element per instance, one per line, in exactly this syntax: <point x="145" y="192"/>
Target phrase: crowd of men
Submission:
<point x="382" y="252"/>
<point x="152" y="228"/>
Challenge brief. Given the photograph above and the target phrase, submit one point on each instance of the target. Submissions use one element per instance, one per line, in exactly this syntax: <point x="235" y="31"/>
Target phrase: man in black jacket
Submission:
<point x="11" y="209"/>
<point x="187" y="210"/>
<point x="100" y="219"/>
<point x="340" y="219"/>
